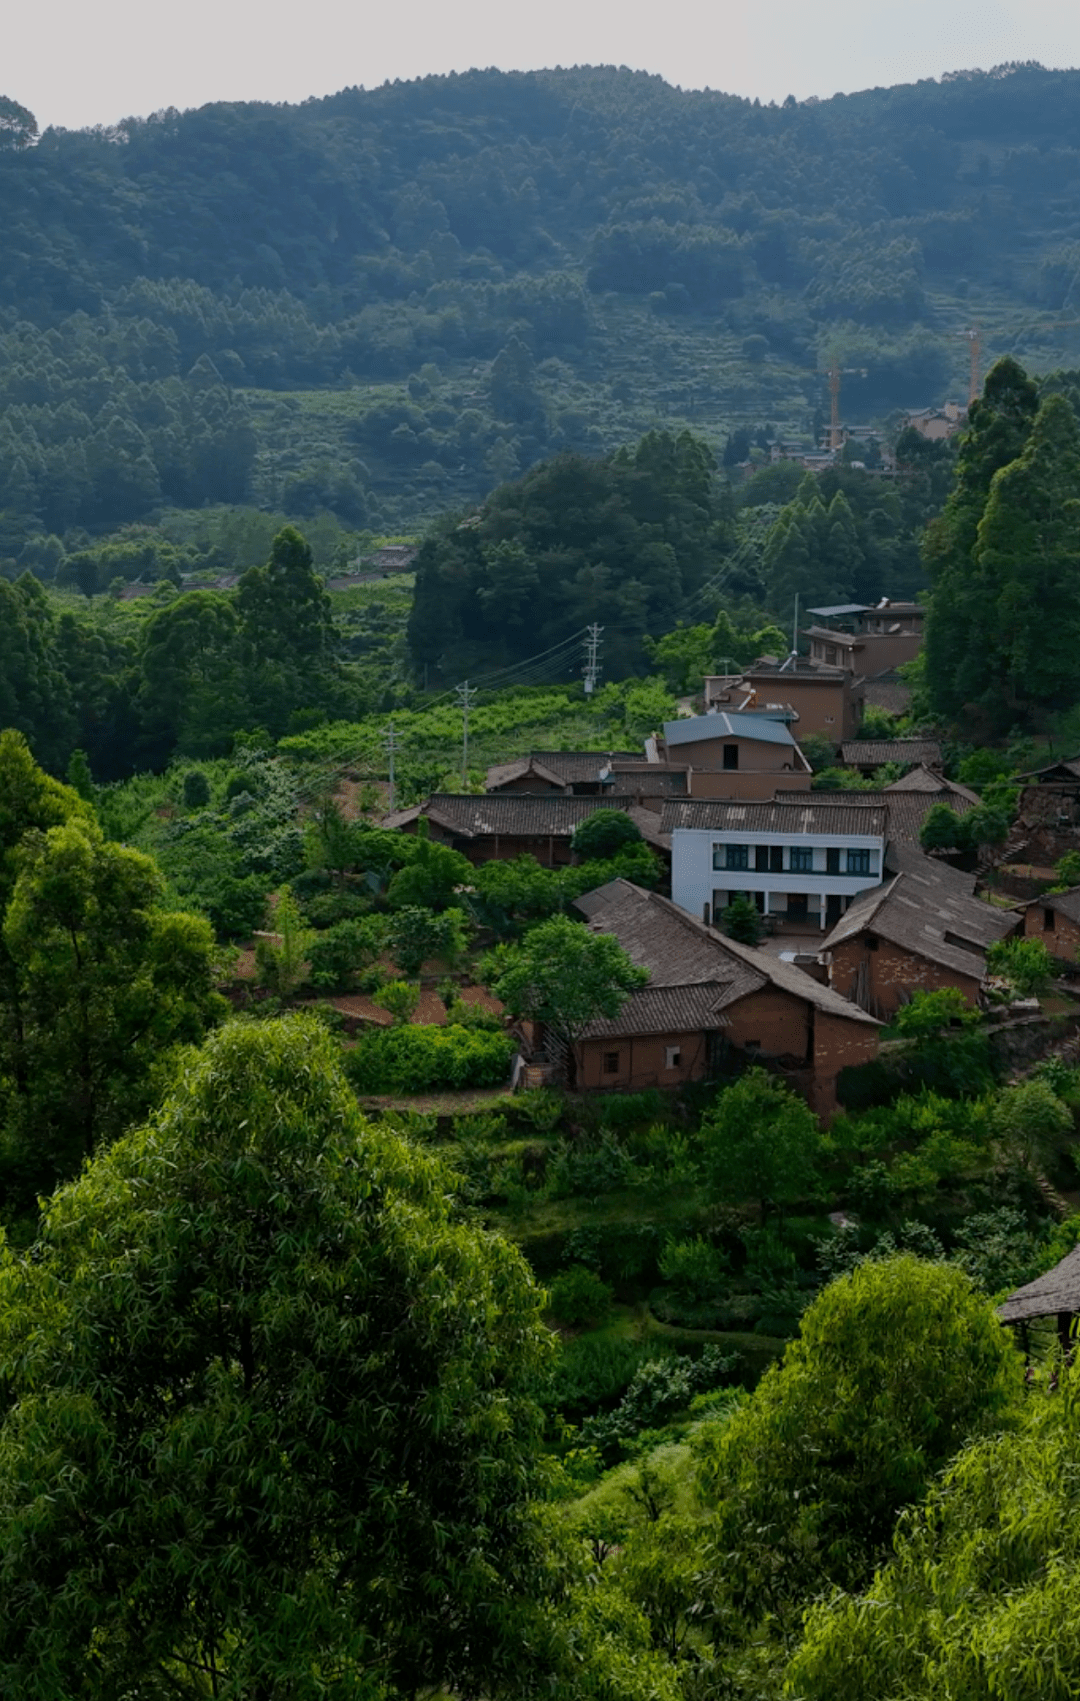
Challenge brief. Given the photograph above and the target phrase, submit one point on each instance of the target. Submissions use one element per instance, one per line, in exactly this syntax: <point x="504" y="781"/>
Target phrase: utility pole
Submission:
<point x="592" y="668"/>
<point x="391" y="745"/>
<point x="465" y="695"/>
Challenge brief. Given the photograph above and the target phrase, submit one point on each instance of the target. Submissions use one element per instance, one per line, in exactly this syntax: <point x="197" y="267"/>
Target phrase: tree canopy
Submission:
<point x="266" y="1405"/>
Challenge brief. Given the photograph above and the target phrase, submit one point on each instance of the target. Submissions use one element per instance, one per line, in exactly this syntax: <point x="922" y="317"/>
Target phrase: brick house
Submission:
<point x="921" y="930"/>
<point x="709" y="997"/>
<point x="867" y="641"/>
<point x="734" y="755"/>
<point x="590" y="773"/>
<point x="826" y="700"/>
<point x="800" y="860"/>
<point x="502" y="825"/>
<point x="868" y="754"/>
<point x="1055" y="919"/>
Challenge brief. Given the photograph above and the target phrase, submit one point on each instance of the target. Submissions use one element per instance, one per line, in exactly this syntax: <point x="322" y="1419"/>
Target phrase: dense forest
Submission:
<point x="384" y="303"/>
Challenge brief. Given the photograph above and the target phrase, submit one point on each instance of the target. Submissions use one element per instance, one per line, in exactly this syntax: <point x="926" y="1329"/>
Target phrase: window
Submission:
<point x="731" y="756"/>
<point x="611" y="1063"/>
<point x="832" y="860"/>
<point x="738" y="856"/>
<point x="802" y="859"/>
<point x="830" y="654"/>
<point x="858" y="862"/>
<point x="672" y="1056"/>
<point x="761" y="859"/>
<point x="776" y="859"/>
<point x="798" y="906"/>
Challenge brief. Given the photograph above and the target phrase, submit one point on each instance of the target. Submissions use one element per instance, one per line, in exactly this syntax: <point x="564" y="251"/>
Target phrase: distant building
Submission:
<point x="589" y="773"/>
<point x="869" y="754"/>
<point x="394" y="558"/>
<point x="867" y="641"/>
<point x="936" y="424"/>
<point x="825" y="700"/>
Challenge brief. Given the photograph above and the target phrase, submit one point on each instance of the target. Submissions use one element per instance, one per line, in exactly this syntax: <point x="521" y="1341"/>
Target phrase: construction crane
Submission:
<point x="834" y="374"/>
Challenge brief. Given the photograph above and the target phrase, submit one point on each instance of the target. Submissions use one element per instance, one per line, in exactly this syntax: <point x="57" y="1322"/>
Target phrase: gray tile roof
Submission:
<point x="790" y="812"/>
<point x="874" y="752"/>
<point x="924" y="779"/>
<point x="681" y="953"/>
<point x="563" y="767"/>
<point x="1058" y="1290"/>
<point x="1065" y="903"/>
<point x="884" y="691"/>
<point x="924" y="910"/>
<point x="665" y="1010"/>
<point x="516" y="814"/>
<point x="724" y="724"/>
<point x="1067" y="770"/>
<point x="907" y="810"/>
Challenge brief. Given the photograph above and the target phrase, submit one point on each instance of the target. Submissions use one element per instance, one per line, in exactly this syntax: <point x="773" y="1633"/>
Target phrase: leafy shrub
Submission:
<point x="1025" y="963"/>
<point x="339" y="953"/>
<point x="587" y="1169"/>
<point x="324" y="909"/>
<point x="416" y="933"/>
<point x="399" y="997"/>
<point x="580" y="1298"/>
<point x="928" y="1012"/>
<point x="659" y="1388"/>
<point x="236" y="906"/>
<point x="602" y="835"/>
<point x="740" y="920"/>
<point x="693" y="1269"/>
<point x="416" y="1059"/>
<point x="1067" y="871"/>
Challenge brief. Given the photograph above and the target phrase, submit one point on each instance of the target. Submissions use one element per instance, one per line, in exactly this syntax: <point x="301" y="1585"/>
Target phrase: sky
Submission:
<point x="77" y="64"/>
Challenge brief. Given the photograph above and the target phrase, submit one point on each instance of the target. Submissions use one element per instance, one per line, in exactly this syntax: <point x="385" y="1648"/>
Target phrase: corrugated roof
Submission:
<point x="783" y="815"/>
<point x="875" y="752"/>
<point x="842" y="608"/>
<point x="723" y="724"/>
<point x="1058" y="1290"/>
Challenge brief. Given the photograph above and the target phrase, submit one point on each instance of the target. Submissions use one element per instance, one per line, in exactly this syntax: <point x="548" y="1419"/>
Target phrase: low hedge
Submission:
<point x="420" y="1059"/>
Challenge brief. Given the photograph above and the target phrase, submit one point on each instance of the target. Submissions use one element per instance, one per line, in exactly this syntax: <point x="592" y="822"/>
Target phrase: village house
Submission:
<point x="733" y="755"/>
<point x="590" y="773"/>
<point x="1055" y="919"/>
<point x="867" y="641"/>
<point x="825" y="700"/>
<point x="708" y="1001"/>
<point x="799" y="860"/>
<point x="502" y="825"/>
<point x="922" y="929"/>
<point x="869" y="754"/>
<point x="1048" y="814"/>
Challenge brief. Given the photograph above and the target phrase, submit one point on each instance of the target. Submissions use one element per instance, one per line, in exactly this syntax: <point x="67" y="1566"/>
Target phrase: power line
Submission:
<point x="592" y="658"/>
<point x="466" y="695"/>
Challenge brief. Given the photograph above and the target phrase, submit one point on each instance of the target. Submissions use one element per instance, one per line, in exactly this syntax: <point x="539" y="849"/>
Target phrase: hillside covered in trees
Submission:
<point x="386" y="302"/>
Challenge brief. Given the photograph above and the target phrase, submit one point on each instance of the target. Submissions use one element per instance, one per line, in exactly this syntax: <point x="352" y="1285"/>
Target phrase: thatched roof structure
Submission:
<point x="1057" y="1291"/>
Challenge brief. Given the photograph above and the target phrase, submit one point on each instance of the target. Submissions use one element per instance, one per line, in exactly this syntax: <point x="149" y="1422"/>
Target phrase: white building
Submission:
<point x="796" y="861"/>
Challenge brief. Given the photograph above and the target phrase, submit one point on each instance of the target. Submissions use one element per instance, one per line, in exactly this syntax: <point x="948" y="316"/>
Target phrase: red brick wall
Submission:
<point x="642" y="1062"/>
<point x="758" y="786"/>
<point x="838" y="1044"/>
<point x="1061" y="940"/>
<point x="775" y="1023"/>
<point x="892" y="975"/>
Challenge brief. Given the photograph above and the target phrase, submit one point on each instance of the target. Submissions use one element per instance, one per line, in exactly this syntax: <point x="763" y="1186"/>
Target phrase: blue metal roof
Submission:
<point x="723" y="725"/>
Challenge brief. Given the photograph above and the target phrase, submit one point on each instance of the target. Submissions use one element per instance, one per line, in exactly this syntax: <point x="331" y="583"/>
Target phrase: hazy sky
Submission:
<point x="75" y="63"/>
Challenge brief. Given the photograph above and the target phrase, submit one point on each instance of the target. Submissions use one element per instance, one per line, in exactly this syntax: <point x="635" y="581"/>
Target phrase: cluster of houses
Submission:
<point x="857" y="916"/>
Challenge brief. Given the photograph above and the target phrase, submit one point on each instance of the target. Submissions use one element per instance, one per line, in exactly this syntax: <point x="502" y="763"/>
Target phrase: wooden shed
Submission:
<point x="1057" y="1294"/>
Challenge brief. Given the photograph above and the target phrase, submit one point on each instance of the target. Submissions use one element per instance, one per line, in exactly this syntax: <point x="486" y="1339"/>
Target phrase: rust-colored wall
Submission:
<point x="755" y="755"/>
<point x="831" y="706"/>
<point x="838" y="1044"/>
<point x="752" y="787"/>
<point x="549" y="850"/>
<point x="1062" y="940"/>
<point x="642" y="1062"/>
<point x="776" y="1023"/>
<point x="893" y="974"/>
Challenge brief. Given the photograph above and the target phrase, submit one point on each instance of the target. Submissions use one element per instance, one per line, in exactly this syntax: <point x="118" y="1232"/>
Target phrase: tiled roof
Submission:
<point x="924" y="779"/>
<point x="665" y="1010"/>
<point x="562" y="767"/>
<point x="874" y="752"/>
<point x="1067" y="770"/>
<point x="907" y="810"/>
<point x="923" y="910"/>
<point x="515" y="814"/>
<point x="682" y="953"/>
<point x="815" y="812"/>
<point x="1046" y="1296"/>
<point x="1065" y="903"/>
<point x="765" y="729"/>
<point x="884" y="691"/>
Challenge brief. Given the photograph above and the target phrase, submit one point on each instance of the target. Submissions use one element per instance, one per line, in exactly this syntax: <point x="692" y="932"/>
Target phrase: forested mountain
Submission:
<point x="383" y="303"/>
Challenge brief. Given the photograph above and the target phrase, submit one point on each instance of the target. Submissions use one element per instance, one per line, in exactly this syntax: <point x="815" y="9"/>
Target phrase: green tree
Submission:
<point x="604" y="834"/>
<point x="414" y="934"/>
<point x="247" y="1446"/>
<point x="399" y="998"/>
<point x="1025" y="963"/>
<point x="1032" y="1124"/>
<point x="196" y="789"/>
<point x="563" y="977"/>
<point x="431" y="879"/>
<point x="339" y="953"/>
<point x="103" y="984"/>
<point x="740" y="920"/>
<point x="280" y="959"/>
<point x="760" y="1142"/>
<point x="928" y="1013"/>
<point x="963" y="637"/>
<point x="897" y="1365"/>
